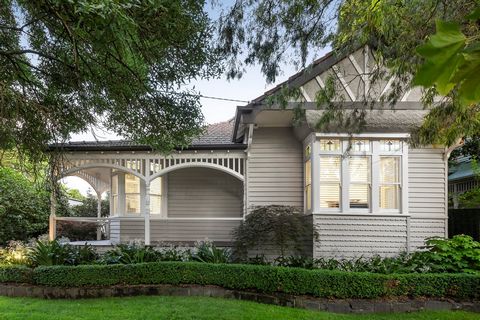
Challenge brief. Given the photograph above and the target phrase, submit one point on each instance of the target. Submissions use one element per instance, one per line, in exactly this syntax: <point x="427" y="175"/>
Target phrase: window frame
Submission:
<point x="115" y="196"/>
<point x="137" y="194"/>
<point x="340" y="181"/>
<point x="308" y="157"/>
<point x="367" y="155"/>
<point x="374" y="153"/>
<point x="158" y="195"/>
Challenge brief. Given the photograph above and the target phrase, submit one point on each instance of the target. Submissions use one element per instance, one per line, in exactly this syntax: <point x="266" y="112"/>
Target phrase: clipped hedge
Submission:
<point x="267" y="279"/>
<point x="17" y="274"/>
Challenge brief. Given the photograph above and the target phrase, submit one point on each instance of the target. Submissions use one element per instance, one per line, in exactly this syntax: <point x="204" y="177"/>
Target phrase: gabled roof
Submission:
<point x="216" y="136"/>
<point x="407" y="114"/>
<point x="318" y="66"/>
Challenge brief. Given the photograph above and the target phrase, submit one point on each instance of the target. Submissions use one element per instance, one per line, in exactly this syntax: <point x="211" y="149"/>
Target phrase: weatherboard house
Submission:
<point x="367" y="193"/>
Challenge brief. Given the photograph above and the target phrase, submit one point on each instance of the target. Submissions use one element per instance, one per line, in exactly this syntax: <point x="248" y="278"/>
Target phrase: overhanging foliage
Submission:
<point x="66" y="66"/>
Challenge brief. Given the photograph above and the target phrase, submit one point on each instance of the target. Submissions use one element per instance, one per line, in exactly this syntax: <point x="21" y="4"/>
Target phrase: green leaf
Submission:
<point x="475" y="15"/>
<point x="442" y="57"/>
<point x="469" y="76"/>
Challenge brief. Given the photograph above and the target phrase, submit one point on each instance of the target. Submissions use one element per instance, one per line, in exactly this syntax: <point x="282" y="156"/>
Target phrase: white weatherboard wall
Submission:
<point x="127" y="229"/>
<point x="201" y="193"/>
<point x="347" y="236"/>
<point x="275" y="168"/>
<point x="188" y="231"/>
<point x="427" y="192"/>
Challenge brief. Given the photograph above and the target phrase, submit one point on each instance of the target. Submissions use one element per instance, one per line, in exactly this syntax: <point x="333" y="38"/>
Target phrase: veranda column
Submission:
<point x="146" y="212"/>
<point x="99" y="215"/>
<point x="52" y="228"/>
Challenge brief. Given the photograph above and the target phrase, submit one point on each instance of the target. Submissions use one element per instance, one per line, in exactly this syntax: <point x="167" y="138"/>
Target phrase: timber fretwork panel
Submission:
<point x="146" y="165"/>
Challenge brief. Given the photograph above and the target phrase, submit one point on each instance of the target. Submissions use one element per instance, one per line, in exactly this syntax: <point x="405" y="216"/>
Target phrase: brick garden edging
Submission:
<point x="305" y="302"/>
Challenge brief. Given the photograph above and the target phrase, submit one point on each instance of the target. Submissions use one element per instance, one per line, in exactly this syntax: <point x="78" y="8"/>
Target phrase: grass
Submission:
<point x="160" y="307"/>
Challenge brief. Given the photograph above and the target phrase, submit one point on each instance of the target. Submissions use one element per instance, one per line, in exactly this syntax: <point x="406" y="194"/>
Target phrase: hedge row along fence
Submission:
<point x="265" y="279"/>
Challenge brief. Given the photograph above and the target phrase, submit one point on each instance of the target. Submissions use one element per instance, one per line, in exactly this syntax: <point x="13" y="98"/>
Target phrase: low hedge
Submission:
<point x="319" y="283"/>
<point x="17" y="274"/>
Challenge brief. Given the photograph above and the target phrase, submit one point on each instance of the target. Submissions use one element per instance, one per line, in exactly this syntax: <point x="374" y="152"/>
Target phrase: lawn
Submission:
<point x="158" y="307"/>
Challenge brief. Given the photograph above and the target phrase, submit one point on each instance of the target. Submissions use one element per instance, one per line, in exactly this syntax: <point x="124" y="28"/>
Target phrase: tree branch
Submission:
<point x="38" y="53"/>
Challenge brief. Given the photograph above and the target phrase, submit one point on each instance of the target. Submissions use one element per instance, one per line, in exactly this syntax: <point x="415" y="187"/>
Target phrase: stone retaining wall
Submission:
<point x="306" y="302"/>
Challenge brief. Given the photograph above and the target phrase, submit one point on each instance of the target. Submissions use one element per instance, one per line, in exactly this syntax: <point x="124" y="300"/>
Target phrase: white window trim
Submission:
<point x="309" y="141"/>
<point x="139" y="194"/>
<point x="374" y="155"/>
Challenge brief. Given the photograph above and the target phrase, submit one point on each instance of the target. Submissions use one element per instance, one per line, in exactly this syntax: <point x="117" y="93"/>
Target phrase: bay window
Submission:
<point x="356" y="175"/>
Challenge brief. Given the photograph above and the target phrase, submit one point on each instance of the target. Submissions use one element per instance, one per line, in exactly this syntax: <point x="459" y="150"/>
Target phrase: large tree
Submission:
<point x="66" y="66"/>
<point x="272" y="33"/>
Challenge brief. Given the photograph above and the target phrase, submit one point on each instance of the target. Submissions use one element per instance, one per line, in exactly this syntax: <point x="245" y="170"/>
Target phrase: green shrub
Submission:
<point x="129" y="254"/>
<point x="459" y="254"/>
<point x="174" y="254"/>
<point x="50" y="253"/>
<point x="320" y="283"/>
<point x="19" y="274"/>
<point x="206" y="251"/>
<point x="16" y="253"/>
<point x="24" y="207"/>
<point x="284" y="227"/>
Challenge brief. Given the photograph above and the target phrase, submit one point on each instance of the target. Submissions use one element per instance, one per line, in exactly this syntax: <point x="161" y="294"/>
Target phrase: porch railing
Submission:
<point x="103" y="225"/>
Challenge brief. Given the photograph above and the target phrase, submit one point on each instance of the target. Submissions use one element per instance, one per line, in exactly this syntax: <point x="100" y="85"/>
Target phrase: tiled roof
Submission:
<point x="381" y="121"/>
<point x="217" y="135"/>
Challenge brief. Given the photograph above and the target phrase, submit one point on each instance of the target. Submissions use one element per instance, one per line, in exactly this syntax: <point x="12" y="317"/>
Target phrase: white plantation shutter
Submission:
<point x="330" y="176"/>
<point x="389" y="193"/>
<point x="359" y="189"/>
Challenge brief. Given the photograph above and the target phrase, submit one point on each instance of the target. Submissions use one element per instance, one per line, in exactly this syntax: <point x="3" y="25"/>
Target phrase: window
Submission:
<point x="330" y="181"/>
<point x="361" y="145"/>
<point x="156" y="196"/>
<point x="357" y="174"/>
<point x="329" y="145"/>
<point x="308" y="178"/>
<point x="132" y="194"/>
<point x="115" y="194"/>
<point x="389" y="193"/>
<point x="390" y="145"/>
<point x="359" y="188"/>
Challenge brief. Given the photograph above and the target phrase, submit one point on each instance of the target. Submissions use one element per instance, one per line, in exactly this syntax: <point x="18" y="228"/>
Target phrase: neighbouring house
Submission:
<point x="461" y="179"/>
<point x="366" y="193"/>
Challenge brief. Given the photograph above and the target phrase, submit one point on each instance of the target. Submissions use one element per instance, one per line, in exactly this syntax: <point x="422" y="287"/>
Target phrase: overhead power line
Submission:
<point x="223" y="99"/>
<point x="205" y="97"/>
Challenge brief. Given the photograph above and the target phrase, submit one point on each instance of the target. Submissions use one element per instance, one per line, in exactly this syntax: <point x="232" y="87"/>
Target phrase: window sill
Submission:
<point x="362" y="214"/>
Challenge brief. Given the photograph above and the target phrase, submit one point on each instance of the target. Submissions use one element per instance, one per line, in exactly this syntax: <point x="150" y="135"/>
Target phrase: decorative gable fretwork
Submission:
<point x="352" y="79"/>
